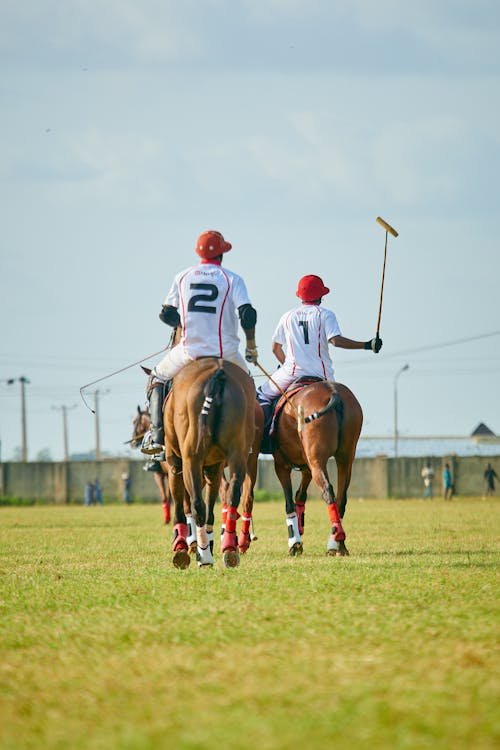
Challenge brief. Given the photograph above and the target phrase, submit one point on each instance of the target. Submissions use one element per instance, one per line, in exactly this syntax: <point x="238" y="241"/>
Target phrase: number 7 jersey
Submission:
<point x="304" y="334"/>
<point x="207" y="297"/>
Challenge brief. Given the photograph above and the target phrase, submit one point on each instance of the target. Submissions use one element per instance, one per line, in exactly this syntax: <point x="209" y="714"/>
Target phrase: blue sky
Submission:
<point x="127" y="129"/>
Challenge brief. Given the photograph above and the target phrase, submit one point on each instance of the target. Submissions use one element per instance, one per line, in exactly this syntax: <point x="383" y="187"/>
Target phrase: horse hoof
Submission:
<point x="192" y="548"/>
<point x="296" y="549"/>
<point x="243" y="543"/>
<point x="181" y="559"/>
<point x="231" y="558"/>
<point x="341" y="552"/>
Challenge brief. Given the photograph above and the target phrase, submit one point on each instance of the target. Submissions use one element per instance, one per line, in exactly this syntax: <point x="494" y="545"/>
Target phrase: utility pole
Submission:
<point x="24" y="449"/>
<point x="64" y="410"/>
<point x="97" y="393"/>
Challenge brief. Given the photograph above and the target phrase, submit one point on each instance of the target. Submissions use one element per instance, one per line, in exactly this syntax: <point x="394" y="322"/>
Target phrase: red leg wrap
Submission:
<point x="245" y="524"/>
<point x="166" y="512"/>
<point x="244" y="537"/>
<point x="300" y="509"/>
<point x="180" y="533"/>
<point x="231" y="518"/>
<point x="337" y="530"/>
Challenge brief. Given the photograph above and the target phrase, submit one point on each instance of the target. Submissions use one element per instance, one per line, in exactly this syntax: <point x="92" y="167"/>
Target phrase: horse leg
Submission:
<point x="301" y="497"/>
<point x="204" y="554"/>
<point x="229" y="545"/>
<point x="283" y="472"/>
<point x="223" y="490"/>
<point x="162" y="484"/>
<point x="191" y="537"/>
<point x="179" y="544"/>
<point x="321" y="479"/>
<point x="334" y="546"/>
<point x="194" y="481"/>
<point x="245" y="537"/>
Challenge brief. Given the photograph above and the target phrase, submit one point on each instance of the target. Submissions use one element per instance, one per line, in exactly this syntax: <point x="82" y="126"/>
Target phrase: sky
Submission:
<point x="127" y="129"/>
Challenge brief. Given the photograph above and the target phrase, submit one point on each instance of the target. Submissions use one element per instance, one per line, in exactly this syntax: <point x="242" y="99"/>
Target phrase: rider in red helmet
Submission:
<point x="205" y="301"/>
<point x="300" y="341"/>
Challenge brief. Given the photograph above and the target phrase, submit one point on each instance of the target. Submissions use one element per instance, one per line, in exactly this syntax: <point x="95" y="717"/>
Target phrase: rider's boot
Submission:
<point x="154" y="438"/>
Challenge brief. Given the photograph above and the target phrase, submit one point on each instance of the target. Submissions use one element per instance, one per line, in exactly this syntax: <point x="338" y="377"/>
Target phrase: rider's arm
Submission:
<point x="248" y="319"/>
<point x="278" y="352"/>
<point x="342" y="342"/>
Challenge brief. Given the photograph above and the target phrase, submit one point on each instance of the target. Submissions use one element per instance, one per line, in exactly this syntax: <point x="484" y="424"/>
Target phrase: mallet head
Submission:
<point x="387" y="226"/>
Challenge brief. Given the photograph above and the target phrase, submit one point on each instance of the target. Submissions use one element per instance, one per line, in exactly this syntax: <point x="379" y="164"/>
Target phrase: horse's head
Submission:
<point x="140" y="426"/>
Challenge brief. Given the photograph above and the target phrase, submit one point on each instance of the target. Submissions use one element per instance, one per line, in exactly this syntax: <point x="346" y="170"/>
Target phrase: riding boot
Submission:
<point x="154" y="439"/>
<point x="268" y="409"/>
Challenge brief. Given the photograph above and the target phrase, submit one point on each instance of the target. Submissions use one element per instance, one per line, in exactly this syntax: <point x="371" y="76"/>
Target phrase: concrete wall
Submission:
<point x="378" y="477"/>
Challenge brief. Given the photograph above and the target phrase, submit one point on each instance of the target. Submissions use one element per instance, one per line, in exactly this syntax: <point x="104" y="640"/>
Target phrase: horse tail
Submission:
<point x="334" y="403"/>
<point x="210" y="411"/>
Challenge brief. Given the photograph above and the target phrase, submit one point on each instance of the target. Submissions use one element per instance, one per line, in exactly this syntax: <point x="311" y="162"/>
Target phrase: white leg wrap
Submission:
<point x="293" y="530"/>
<point x="210" y="536"/>
<point x="192" y="529"/>
<point x="332" y="545"/>
<point x="204" y="553"/>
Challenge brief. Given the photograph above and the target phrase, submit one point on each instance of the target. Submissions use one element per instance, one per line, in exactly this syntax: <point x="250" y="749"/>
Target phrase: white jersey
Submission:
<point x="207" y="297"/>
<point x="304" y="334"/>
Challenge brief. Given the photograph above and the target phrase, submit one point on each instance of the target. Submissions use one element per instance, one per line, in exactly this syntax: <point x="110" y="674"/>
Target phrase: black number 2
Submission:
<point x="210" y="294"/>
<point x="304" y="325"/>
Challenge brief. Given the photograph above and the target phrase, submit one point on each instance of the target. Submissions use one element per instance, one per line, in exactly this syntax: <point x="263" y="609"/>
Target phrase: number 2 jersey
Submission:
<point x="304" y="334"/>
<point x="207" y="298"/>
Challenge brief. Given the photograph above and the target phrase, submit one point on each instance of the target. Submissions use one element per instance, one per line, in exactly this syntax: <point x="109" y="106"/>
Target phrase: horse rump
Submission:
<point x="209" y="418"/>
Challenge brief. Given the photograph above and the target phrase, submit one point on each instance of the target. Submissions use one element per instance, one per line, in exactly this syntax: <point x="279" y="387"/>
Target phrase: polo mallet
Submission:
<point x="388" y="229"/>
<point x="299" y="412"/>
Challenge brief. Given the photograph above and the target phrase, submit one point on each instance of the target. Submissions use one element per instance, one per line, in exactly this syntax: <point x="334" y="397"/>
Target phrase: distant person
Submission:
<point x="89" y="493"/>
<point x="97" y="492"/>
<point x="489" y="481"/>
<point x="126" y="488"/>
<point x="447" y="482"/>
<point x="428" y="477"/>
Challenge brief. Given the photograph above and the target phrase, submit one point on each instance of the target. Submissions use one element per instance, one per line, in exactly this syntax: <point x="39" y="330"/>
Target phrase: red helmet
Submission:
<point x="311" y="288"/>
<point x="211" y="244"/>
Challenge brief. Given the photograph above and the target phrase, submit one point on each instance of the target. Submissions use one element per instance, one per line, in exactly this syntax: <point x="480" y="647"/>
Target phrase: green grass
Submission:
<point x="103" y="644"/>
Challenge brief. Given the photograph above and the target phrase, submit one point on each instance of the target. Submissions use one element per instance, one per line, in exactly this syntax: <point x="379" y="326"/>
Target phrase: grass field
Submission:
<point x="103" y="644"/>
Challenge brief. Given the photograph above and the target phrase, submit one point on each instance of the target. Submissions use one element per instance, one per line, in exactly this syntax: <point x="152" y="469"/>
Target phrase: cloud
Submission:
<point x="94" y="32"/>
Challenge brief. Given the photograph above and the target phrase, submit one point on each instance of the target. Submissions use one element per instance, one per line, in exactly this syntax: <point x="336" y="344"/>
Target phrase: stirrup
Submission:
<point x="149" y="446"/>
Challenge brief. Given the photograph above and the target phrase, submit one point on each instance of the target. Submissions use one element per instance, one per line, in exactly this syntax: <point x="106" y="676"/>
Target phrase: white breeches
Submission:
<point x="175" y="359"/>
<point x="283" y="377"/>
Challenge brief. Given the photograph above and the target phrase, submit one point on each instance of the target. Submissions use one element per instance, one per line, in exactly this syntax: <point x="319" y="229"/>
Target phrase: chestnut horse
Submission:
<point x="209" y="421"/>
<point x="140" y="425"/>
<point x="332" y="426"/>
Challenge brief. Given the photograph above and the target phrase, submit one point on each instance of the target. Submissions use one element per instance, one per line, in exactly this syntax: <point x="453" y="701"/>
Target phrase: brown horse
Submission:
<point x="140" y="425"/>
<point x="332" y="425"/>
<point x="209" y="422"/>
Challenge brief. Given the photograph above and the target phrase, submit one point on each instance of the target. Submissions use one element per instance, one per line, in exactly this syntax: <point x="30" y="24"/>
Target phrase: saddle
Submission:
<point x="271" y="417"/>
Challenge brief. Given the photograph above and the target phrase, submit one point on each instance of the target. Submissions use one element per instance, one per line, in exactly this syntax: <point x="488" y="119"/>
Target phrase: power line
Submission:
<point x="431" y="347"/>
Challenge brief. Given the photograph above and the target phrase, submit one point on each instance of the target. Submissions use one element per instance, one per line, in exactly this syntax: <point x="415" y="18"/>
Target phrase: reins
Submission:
<point x="127" y="367"/>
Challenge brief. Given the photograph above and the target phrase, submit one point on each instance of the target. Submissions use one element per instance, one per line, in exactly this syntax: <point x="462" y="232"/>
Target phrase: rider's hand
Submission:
<point x="374" y="344"/>
<point x="251" y="352"/>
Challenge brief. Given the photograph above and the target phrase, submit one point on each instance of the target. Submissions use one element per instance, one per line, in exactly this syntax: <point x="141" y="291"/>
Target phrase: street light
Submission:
<point x="399" y="372"/>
